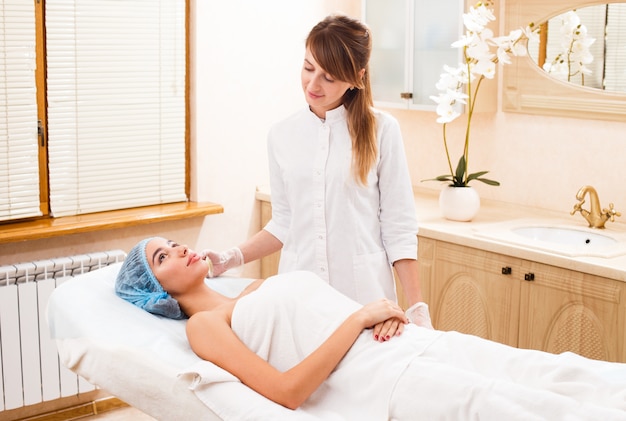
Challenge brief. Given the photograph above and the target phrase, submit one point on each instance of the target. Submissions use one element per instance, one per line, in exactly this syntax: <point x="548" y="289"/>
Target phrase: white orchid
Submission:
<point x="460" y="85"/>
<point x="575" y="54"/>
<point x="477" y="18"/>
<point x="445" y="107"/>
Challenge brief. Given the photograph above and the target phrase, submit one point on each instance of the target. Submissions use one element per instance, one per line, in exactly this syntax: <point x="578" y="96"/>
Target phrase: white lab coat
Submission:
<point x="346" y="233"/>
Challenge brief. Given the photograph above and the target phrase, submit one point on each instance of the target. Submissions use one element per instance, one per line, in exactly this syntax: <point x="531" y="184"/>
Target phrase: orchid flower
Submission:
<point x="460" y="85"/>
<point x="575" y="55"/>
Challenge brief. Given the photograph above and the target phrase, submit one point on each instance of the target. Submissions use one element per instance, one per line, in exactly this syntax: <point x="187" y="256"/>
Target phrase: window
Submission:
<point x="19" y="176"/>
<point x="115" y="95"/>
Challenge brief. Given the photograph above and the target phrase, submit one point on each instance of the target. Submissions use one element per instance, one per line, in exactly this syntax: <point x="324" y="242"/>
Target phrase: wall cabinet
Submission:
<point x="411" y="42"/>
<point x="522" y="303"/>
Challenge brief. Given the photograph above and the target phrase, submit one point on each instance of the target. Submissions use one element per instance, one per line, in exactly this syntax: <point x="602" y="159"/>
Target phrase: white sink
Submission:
<point x="565" y="235"/>
<point x="557" y="238"/>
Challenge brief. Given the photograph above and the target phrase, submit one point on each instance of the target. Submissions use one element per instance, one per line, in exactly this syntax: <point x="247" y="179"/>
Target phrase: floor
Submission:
<point x="122" y="414"/>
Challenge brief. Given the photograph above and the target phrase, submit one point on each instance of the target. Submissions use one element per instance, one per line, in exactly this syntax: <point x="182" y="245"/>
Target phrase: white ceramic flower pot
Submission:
<point x="459" y="203"/>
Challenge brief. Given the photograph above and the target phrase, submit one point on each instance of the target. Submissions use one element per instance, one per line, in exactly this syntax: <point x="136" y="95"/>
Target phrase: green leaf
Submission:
<point x="458" y="179"/>
<point x="460" y="170"/>
<point x="445" y="177"/>
<point x="476" y="175"/>
<point x="488" y="181"/>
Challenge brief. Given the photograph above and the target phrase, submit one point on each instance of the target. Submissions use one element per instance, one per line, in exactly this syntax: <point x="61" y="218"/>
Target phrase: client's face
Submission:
<point x="175" y="266"/>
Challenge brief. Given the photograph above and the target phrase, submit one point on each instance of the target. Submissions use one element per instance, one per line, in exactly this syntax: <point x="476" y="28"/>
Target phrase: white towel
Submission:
<point x="288" y="317"/>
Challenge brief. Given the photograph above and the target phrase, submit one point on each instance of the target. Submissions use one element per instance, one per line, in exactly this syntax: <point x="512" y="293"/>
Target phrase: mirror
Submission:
<point x="529" y="89"/>
<point x="584" y="46"/>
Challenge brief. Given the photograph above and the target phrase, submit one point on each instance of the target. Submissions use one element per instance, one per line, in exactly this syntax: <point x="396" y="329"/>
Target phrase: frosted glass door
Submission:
<point x="388" y="21"/>
<point x="437" y="24"/>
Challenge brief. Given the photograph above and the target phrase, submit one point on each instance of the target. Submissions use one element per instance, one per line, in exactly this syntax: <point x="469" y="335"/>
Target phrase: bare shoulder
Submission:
<point x="211" y="337"/>
<point x="219" y="315"/>
<point x="204" y="326"/>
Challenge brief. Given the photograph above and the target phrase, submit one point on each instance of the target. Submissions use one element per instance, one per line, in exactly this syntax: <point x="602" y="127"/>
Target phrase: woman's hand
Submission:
<point x="418" y="313"/>
<point x="388" y="329"/>
<point x="221" y="262"/>
<point x="385" y="316"/>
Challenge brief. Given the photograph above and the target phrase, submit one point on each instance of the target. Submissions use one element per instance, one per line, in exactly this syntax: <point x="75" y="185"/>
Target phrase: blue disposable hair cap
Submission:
<point x="137" y="284"/>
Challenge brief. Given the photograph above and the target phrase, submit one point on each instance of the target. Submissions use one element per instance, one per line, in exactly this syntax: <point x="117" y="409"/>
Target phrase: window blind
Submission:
<point x="594" y="18"/>
<point x="19" y="162"/>
<point x="116" y="103"/>
<point x="615" y="50"/>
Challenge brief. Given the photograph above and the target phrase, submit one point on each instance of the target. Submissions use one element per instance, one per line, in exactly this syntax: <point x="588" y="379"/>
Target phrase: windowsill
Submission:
<point x="54" y="227"/>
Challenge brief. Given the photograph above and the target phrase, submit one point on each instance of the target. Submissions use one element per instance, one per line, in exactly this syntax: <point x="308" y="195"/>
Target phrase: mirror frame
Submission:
<point x="529" y="89"/>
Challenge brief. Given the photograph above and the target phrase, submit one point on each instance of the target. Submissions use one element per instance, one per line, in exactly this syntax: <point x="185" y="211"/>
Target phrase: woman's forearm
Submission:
<point x="292" y="387"/>
<point x="303" y="379"/>
<point x="259" y="245"/>
<point x="408" y="274"/>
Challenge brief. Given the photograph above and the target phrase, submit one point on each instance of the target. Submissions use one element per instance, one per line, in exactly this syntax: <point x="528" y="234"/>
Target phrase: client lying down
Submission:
<point x="300" y="343"/>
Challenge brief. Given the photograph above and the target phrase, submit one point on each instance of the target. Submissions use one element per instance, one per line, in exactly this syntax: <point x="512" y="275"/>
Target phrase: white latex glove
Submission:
<point x="226" y="260"/>
<point x="418" y="314"/>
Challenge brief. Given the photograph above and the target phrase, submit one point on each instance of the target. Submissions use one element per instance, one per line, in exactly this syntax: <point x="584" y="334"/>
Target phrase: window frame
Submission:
<point x="41" y="75"/>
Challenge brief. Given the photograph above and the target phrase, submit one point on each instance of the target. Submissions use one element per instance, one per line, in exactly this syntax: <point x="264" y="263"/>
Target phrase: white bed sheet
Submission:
<point x="137" y="356"/>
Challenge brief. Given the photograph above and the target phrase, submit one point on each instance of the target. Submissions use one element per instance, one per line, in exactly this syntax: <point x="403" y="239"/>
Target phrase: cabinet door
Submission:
<point x="411" y="42"/>
<point x="471" y="291"/>
<point x="563" y="310"/>
<point x="389" y="24"/>
<point x="436" y="25"/>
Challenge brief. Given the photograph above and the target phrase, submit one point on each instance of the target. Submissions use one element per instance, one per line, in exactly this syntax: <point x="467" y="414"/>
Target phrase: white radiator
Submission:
<point x="30" y="371"/>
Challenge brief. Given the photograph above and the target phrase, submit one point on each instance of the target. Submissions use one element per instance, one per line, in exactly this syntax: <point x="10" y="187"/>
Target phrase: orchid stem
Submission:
<point x="470" y="113"/>
<point x="445" y="145"/>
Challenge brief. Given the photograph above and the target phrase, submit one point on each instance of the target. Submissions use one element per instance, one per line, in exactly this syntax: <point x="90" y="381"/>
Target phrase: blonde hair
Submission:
<point x="342" y="46"/>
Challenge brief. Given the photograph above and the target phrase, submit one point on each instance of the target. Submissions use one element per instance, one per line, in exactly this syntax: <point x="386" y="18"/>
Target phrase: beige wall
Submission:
<point x="245" y="67"/>
<point x="539" y="161"/>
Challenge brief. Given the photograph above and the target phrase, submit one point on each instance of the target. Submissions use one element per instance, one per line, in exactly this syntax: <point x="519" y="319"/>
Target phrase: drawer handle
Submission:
<point x="529" y="276"/>
<point x="506" y="270"/>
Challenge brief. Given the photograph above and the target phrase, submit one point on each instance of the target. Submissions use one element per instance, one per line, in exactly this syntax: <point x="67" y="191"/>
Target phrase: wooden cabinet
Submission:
<point x="467" y="290"/>
<point x="563" y="310"/>
<point x="522" y="303"/>
<point x="269" y="264"/>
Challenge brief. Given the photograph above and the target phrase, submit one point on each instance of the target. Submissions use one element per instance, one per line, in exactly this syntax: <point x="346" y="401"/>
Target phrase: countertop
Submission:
<point x="495" y="218"/>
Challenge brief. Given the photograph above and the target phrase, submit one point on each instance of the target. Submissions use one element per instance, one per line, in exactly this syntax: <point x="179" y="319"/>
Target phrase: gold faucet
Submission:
<point x="594" y="216"/>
